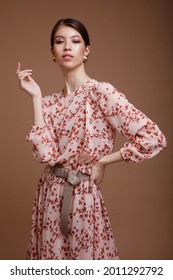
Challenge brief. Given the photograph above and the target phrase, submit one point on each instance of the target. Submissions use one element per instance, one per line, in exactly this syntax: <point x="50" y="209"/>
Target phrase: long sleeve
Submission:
<point x="147" y="143"/>
<point x="43" y="138"/>
<point x="145" y="138"/>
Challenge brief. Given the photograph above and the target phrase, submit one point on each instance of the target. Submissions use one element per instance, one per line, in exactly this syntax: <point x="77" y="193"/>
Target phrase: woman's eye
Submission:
<point x="58" y="42"/>
<point x="76" y="41"/>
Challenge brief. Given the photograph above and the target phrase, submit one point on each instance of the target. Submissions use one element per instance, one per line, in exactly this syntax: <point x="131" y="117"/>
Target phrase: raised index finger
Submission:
<point x="18" y="68"/>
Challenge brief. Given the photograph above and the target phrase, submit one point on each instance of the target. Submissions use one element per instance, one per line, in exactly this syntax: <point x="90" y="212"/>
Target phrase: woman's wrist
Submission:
<point x="37" y="97"/>
<point x="101" y="163"/>
<point x="112" y="158"/>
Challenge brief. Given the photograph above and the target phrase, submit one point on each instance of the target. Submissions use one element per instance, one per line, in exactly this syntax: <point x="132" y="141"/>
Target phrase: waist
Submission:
<point x="75" y="167"/>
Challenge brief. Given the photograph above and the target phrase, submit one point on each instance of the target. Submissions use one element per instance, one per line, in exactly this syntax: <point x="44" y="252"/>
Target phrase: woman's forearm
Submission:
<point x="112" y="158"/>
<point x="38" y="112"/>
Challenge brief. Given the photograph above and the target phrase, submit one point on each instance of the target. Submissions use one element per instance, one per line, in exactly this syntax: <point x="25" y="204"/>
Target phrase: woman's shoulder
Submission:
<point x="51" y="99"/>
<point x="104" y="88"/>
<point x="52" y="95"/>
<point x="103" y="85"/>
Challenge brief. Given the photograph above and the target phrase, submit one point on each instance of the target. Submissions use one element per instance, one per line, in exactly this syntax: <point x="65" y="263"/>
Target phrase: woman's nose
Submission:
<point x="67" y="46"/>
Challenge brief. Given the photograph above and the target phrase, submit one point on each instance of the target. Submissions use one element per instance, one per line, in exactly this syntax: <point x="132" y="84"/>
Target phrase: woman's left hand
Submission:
<point x="97" y="174"/>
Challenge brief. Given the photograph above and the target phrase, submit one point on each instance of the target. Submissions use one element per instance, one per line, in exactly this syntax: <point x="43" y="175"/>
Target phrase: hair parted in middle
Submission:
<point x="74" y="23"/>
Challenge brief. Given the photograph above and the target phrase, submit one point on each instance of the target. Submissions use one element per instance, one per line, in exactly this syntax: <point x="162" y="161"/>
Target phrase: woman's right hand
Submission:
<point x="26" y="82"/>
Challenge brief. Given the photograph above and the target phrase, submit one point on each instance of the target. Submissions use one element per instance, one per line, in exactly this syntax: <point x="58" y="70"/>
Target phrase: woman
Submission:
<point x="74" y="132"/>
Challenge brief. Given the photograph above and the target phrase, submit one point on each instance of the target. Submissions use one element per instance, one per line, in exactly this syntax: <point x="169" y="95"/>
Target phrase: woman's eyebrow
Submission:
<point x="64" y="36"/>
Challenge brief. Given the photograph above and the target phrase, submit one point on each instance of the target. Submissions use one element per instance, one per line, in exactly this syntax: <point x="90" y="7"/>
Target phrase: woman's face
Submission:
<point x="69" y="48"/>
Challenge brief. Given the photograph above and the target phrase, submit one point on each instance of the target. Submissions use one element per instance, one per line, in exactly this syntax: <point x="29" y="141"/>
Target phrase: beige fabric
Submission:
<point x="73" y="178"/>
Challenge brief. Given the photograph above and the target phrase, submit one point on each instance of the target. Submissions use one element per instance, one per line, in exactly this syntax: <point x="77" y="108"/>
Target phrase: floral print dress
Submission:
<point x="80" y="128"/>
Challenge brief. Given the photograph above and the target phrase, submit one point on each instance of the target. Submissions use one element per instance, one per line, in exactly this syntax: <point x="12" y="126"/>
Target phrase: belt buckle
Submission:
<point x="72" y="177"/>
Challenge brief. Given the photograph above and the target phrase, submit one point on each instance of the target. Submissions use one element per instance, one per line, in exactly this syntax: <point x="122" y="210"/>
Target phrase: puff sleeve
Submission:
<point x="43" y="139"/>
<point x="145" y="139"/>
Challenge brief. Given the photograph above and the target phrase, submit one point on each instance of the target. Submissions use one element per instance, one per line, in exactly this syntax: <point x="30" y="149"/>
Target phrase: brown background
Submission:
<point x="132" y="49"/>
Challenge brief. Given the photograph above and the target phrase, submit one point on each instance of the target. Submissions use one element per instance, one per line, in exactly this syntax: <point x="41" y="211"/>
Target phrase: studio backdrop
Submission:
<point x="131" y="47"/>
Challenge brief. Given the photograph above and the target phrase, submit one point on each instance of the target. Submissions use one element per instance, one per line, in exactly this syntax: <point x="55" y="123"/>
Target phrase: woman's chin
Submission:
<point x="70" y="66"/>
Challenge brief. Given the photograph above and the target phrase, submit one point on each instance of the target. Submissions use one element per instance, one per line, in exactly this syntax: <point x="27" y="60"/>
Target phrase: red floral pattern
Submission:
<point x="79" y="130"/>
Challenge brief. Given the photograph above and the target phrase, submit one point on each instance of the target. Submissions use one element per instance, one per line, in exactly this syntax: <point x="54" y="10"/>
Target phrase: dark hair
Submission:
<point x="74" y="23"/>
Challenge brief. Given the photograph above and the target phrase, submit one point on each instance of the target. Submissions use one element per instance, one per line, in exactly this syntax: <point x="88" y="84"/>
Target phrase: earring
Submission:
<point x="54" y="58"/>
<point x="85" y="58"/>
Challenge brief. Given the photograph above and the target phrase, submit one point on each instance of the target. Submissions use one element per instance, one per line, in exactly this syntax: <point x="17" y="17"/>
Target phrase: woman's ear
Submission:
<point x="52" y="51"/>
<point x="87" y="50"/>
<point x="53" y="56"/>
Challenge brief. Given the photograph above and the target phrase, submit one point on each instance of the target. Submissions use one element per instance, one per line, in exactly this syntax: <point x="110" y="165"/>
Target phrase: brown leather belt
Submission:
<point x="73" y="177"/>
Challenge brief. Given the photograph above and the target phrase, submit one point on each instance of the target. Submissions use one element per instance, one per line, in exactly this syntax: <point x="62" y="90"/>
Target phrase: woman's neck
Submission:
<point x="73" y="80"/>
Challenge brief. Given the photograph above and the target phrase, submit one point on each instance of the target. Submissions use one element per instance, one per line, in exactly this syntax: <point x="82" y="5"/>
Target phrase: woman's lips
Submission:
<point x="67" y="57"/>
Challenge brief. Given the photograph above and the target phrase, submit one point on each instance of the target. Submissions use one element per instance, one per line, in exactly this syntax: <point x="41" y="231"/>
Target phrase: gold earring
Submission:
<point x="54" y="58"/>
<point x="85" y="58"/>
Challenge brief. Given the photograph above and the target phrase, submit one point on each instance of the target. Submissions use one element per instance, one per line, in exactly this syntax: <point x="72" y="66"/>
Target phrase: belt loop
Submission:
<point x="63" y="172"/>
